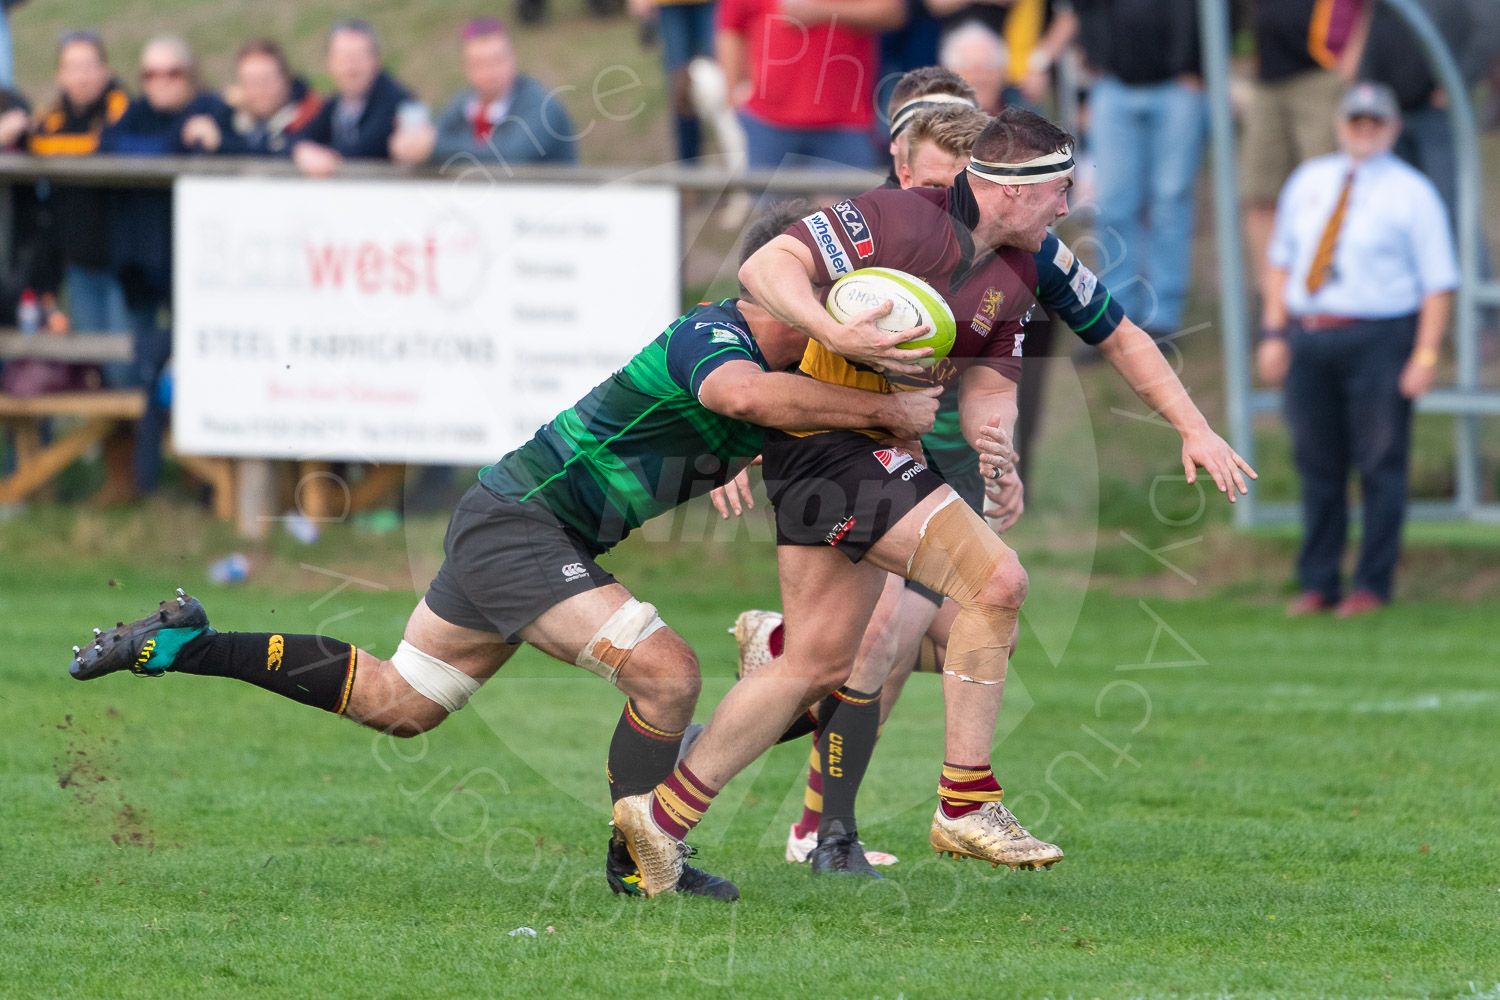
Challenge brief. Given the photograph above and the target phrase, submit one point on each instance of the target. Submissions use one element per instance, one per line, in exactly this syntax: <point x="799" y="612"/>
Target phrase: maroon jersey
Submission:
<point x="927" y="233"/>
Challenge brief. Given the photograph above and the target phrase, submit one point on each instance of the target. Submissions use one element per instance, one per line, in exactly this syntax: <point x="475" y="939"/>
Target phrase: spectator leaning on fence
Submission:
<point x="502" y="116"/>
<point x="359" y="120"/>
<point x="1358" y="292"/>
<point x="159" y="123"/>
<point x="686" y="31"/>
<point x="804" y="73"/>
<point x="89" y="99"/>
<point x="270" y="104"/>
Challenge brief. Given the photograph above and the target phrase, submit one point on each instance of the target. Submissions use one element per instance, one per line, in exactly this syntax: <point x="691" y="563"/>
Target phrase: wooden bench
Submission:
<point x="243" y="490"/>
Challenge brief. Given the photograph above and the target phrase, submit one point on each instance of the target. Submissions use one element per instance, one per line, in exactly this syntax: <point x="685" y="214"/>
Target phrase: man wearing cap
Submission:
<point x="1358" y="291"/>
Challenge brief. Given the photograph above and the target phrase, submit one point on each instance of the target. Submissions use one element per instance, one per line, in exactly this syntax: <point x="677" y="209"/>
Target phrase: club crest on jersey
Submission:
<point x="891" y="459"/>
<point x="721" y="335"/>
<point x="853" y="221"/>
<point x="989" y="308"/>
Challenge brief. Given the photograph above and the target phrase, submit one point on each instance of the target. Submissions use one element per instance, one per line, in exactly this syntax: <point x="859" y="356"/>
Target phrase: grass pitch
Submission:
<point x="1249" y="806"/>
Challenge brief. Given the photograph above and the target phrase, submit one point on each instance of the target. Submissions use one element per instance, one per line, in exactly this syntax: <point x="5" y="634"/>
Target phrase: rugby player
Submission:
<point x="848" y="511"/>
<point x="677" y="420"/>
<point x="911" y="623"/>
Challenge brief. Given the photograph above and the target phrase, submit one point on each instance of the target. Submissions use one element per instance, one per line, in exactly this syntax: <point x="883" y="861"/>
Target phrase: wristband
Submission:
<point x="1425" y="356"/>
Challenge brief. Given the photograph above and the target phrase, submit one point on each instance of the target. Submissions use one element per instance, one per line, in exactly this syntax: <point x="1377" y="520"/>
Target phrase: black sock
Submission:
<point x="803" y="724"/>
<point x="311" y="669"/>
<point x="846" y="743"/>
<point x="641" y="756"/>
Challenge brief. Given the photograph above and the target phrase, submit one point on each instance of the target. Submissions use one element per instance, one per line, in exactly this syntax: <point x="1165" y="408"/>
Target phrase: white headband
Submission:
<point x="1037" y="170"/>
<point x="917" y="105"/>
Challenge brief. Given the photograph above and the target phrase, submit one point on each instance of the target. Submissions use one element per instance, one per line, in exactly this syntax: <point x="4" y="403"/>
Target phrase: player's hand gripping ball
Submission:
<point x="913" y="303"/>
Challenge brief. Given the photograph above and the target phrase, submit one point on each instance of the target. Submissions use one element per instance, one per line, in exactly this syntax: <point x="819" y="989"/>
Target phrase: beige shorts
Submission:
<point x="1289" y="121"/>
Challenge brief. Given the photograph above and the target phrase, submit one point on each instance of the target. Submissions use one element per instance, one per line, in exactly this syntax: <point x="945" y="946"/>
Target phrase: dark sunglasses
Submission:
<point x="1366" y="120"/>
<point x="175" y="73"/>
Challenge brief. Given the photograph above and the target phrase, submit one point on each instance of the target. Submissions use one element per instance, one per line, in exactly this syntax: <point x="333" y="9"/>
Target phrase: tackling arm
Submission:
<point x="744" y="391"/>
<point x="1137" y="358"/>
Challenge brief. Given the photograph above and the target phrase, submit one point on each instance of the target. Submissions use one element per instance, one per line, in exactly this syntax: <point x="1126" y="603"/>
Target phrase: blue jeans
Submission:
<point x="687" y="31"/>
<point x="772" y="146"/>
<point x="7" y="52"/>
<point x="1345" y="409"/>
<point x="1147" y="142"/>
<point x="96" y="304"/>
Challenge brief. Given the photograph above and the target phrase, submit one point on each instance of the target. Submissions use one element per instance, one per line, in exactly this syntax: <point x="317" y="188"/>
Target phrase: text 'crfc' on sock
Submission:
<point x="845" y="744"/>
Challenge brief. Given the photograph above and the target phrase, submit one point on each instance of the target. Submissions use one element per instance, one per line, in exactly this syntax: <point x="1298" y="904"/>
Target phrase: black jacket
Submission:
<point x="1140" y="41"/>
<point x="376" y="122"/>
<point x="141" y="220"/>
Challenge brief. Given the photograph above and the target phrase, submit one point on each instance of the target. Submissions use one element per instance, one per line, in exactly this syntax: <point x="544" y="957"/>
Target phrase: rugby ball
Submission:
<point x="913" y="303"/>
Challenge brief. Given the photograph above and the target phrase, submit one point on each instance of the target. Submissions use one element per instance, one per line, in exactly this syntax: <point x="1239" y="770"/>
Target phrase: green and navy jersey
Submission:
<point x="640" y="443"/>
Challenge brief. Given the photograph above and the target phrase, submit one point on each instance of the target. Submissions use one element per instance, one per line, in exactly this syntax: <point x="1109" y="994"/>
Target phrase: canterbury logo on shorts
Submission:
<point x="574" y="571"/>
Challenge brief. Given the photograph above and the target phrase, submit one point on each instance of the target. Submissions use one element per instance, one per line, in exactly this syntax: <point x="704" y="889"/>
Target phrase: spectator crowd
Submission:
<point x="795" y="83"/>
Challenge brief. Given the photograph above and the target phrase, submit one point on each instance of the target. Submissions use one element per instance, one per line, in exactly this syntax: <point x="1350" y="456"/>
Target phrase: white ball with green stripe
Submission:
<point x="913" y="303"/>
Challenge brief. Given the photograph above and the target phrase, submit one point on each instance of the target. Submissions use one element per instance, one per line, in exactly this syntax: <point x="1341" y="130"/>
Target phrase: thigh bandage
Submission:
<point x="956" y="556"/>
<point x="609" y="650"/>
<point x="438" y="682"/>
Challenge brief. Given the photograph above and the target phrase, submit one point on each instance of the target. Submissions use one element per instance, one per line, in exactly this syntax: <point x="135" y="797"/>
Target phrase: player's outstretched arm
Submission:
<point x="780" y="276"/>
<point x="744" y="391"/>
<point x="1137" y="358"/>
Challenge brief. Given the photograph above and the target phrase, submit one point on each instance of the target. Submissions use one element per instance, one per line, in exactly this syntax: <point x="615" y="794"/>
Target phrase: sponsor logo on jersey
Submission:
<point x="274" y="650"/>
<point x="828" y="244"/>
<point x="720" y="335"/>
<point x="839" y="531"/>
<point x="989" y="306"/>
<point x="574" y="571"/>
<point x="891" y="459"/>
<point x="1063" y="257"/>
<point x="1083" y="284"/>
<point x="853" y="221"/>
<point x="1020" y="339"/>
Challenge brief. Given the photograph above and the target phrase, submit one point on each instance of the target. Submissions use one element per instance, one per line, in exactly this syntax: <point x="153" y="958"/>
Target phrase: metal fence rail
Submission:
<point x="1468" y="400"/>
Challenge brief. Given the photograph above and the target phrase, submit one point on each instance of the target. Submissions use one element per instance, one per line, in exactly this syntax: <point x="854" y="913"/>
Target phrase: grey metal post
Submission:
<point x="1213" y="25"/>
<point x="1465" y="313"/>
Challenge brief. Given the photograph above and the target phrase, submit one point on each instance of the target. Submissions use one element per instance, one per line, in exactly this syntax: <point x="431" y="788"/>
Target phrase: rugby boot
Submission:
<point x="798" y="849"/>
<point x="752" y="633"/>
<point x="839" y="852"/>
<point x="625" y="878"/>
<point x="146" y="647"/>
<point x="659" y="857"/>
<point x="992" y="833"/>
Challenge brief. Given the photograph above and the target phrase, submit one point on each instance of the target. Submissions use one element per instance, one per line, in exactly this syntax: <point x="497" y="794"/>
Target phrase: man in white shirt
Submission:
<point x="1358" y="293"/>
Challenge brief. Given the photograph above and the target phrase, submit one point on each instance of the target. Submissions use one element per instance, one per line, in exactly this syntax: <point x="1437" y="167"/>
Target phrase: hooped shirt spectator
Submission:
<point x="362" y="131"/>
<point x="248" y="136"/>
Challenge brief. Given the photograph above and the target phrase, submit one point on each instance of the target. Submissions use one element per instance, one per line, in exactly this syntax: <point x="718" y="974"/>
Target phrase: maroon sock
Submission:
<point x="963" y="788"/>
<point x="812" y="799"/>
<point x="679" y="803"/>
